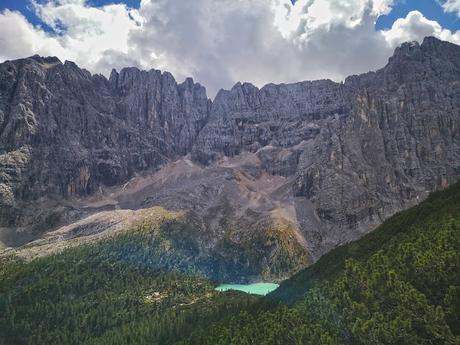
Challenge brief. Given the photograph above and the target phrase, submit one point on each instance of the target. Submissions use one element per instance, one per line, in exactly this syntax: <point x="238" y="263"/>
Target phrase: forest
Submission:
<point x="110" y="292"/>
<point x="400" y="284"/>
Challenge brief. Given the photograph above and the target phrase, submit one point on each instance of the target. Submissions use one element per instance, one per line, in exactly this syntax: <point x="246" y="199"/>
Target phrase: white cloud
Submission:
<point x="414" y="27"/>
<point x="219" y="42"/>
<point x="89" y="33"/>
<point x="451" y="6"/>
<point x="306" y="17"/>
<point x="18" y="38"/>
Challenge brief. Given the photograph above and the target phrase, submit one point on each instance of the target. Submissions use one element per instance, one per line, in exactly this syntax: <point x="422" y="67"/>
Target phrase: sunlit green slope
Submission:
<point x="111" y="292"/>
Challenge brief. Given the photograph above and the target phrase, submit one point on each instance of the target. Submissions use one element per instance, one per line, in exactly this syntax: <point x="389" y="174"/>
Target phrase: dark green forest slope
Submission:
<point x="111" y="292"/>
<point x="398" y="285"/>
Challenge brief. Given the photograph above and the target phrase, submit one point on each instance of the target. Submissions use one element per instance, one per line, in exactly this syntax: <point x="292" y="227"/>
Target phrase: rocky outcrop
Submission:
<point x="81" y="131"/>
<point x="64" y="132"/>
<point x="248" y="119"/>
<point x="349" y="154"/>
<point x="359" y="150"/>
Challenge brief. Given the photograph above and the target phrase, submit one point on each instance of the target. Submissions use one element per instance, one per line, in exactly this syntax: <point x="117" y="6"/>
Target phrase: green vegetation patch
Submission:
<point x="111" y="292"/>
<point x="398" y="285"/>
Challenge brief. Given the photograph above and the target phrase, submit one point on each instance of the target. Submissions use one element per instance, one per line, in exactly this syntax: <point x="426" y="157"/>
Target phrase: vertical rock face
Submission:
<point x="358" y="151"/>
<point x="66" y="132"/>
<point x="248" y="119"/>
<point x="351" y="153"/>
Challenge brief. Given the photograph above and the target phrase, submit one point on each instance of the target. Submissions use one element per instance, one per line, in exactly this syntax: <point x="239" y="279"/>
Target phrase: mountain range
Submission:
<point x="399" y="284"/>
<point x="125" y="202"/>
<point x="258" y="183"/>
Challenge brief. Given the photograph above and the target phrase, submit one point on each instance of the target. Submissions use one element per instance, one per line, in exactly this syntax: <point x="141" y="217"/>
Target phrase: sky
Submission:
<point x="220" y="42"/>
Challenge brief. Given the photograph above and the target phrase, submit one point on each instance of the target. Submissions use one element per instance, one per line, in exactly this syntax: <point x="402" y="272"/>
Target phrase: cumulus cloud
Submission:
<point x="414" y="27"/>
<point x="93" y="37"/>
<point x="221" y="42"/>
<point x="305" y="17"/>
<point x="218" y="42"/>
<point x="18" y="38"/>
<point x="90" y="34"/>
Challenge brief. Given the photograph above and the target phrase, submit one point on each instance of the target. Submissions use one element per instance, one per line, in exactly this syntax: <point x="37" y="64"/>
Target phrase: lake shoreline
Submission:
<point x="260" y="288"/>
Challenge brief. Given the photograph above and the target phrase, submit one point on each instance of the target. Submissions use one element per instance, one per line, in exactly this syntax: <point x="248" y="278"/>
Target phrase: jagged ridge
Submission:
<point x="351" y="153"/>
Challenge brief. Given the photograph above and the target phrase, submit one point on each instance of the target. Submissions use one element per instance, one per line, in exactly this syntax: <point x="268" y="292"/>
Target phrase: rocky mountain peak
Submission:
<point x="348" y="154"/>
<point x="87" y="130"/>
<point x="407" y="50"/>
<point x="359" y="150"/>
<point x="435" y="45"/>
<point x="46" y="60"/>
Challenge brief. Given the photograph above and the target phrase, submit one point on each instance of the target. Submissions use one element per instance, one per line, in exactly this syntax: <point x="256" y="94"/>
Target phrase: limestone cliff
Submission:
<point x="328" y="160"/>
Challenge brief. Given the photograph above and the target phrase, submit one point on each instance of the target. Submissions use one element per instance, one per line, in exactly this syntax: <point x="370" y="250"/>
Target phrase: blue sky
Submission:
<point x="431" y="9"/>
<point x="25" y="8"/>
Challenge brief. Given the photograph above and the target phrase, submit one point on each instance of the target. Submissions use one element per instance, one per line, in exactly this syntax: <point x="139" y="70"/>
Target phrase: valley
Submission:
<point x="271" y="178"/>
<point x="400" y="283"/>
<point x="136" y="210"/>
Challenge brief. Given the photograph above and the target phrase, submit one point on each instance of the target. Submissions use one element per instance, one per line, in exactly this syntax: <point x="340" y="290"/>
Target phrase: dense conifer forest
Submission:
<point x="398" y="285"/>
<point x="110" y="292"/>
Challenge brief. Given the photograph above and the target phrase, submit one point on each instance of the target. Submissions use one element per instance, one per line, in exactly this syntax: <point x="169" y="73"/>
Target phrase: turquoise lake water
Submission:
<point x="256" y="288"/>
